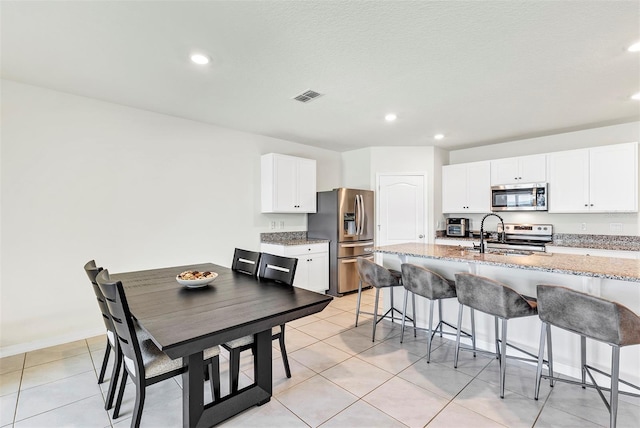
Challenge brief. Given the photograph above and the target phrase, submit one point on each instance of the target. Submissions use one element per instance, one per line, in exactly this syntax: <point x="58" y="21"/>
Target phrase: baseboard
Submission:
<point x="50" y="341"/>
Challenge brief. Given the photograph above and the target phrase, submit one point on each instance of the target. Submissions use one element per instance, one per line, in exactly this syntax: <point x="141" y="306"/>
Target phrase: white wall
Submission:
<point x="85" y="179"/>
<point x="599" y="224"/>
<point x="360" y="168"/>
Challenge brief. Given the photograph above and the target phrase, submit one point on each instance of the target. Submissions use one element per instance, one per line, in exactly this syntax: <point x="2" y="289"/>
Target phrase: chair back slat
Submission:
<point x="92" y="272"/>
<point x="116" y="300"/>
<point x="246" y="261"/>
<point x="277" y="268"/>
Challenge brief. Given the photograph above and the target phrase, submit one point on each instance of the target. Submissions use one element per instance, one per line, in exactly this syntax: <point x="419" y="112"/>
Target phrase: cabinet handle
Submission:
<point x="586" y="205"/>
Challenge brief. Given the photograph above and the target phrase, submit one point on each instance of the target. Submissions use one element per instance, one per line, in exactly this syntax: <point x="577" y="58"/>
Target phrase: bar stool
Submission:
<point x="594" y="318"/>
<point x="433" y="286"/>
<point x="501" y="301"/>
<point x="374" y="275"/>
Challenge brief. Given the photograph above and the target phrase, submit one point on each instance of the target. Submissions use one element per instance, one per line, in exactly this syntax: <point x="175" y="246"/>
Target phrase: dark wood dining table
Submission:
<point x="183" y="322"/>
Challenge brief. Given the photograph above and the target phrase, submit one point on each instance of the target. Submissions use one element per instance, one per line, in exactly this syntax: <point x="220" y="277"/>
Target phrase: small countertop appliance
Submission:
<point x="457" y="226"/>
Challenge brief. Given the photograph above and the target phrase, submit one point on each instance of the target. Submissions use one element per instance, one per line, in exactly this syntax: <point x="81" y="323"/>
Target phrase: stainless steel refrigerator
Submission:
<point x="346" y="218"/>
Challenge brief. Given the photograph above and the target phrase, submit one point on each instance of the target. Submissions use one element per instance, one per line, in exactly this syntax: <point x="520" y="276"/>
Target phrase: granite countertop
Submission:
<point x="289" y="238"/>
<point x="600" y="267"/>
<point x="295" y="241"/>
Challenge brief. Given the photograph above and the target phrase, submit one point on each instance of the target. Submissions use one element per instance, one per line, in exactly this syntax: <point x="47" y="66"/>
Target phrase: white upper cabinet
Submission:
<point x="466" y="188"/>
<point x="523" y="169"/>
<point x="599" y="179"/>
<point x="288" y="184"/>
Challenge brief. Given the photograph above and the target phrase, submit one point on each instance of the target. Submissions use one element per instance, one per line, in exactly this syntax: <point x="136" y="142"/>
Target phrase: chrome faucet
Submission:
<point x="482" y="230"/>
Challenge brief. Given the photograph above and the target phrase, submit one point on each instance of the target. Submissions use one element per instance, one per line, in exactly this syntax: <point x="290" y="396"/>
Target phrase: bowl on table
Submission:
<point x="196" y="279"/>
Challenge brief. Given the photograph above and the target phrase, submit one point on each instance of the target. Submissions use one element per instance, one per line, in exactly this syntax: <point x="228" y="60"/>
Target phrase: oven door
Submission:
<point x="348" y="277"/>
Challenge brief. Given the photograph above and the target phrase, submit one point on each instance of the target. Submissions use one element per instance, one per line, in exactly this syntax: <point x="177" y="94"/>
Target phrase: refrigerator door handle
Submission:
<point x="361" y="207"/>
<point x="357" y="213"/>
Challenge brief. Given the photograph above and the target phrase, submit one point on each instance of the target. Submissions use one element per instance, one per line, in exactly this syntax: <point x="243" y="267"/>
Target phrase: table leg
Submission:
<point x="192" y="390"/>
<point x="262" y="364"/>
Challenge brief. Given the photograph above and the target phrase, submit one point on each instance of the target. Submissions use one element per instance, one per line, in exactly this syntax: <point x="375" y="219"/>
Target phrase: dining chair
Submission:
<point x="246" y="261"/>
<point x="143" y="361"/>
<point x="92" y="272"/>
<point x="270" y="268"/>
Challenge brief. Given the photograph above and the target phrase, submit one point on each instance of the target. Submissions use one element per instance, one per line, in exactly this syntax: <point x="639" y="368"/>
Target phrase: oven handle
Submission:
<point x="363" y="244"/>
<point x="345" y="261"/>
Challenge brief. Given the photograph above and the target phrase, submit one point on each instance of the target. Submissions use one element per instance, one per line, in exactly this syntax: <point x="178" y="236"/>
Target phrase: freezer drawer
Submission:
<point x="354" y="249"/>
<point x="348" y="274"/>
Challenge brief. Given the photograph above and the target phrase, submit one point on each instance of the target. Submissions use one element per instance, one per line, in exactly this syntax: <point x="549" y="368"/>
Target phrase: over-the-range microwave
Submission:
<point x="519" y="197"/>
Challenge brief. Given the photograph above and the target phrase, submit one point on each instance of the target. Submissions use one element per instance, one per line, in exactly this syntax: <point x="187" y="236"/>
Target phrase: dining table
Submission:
<point x="184" y="321"/>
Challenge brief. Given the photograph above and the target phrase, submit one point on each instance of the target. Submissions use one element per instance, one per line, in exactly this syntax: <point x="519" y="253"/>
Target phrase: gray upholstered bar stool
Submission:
<point x="594" y="318"/>
<point x="501" y="301"/>
<point x="374" y="275"/>
<point x="433" y="286"/>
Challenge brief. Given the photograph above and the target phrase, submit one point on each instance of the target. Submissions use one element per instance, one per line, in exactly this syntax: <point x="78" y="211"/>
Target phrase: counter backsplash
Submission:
<point x="608" y="242"/>
<point x="282" y="236"/>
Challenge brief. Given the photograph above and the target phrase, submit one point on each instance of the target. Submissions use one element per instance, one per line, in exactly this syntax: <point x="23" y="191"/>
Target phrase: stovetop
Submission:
<point x="528" y="237"/>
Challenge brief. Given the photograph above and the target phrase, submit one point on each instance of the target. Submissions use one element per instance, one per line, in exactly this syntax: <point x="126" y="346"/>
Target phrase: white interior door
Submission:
<point x="401" y="208"/>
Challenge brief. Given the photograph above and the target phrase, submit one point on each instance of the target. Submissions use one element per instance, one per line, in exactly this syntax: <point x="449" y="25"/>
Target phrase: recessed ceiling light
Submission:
<point x="390" y="117"/>
<point x="438" y="136"/>
<point x="636" y="96"/>
<point x="200" y="59"/>
<point x="634" y="47"/>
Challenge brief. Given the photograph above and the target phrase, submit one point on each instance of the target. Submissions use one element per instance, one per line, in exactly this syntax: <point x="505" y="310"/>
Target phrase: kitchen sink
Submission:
<point x="500" y="251"/>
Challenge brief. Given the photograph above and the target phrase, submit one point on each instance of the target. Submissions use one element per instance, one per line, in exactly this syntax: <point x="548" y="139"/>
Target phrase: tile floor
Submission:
<point x="340" y="379"/>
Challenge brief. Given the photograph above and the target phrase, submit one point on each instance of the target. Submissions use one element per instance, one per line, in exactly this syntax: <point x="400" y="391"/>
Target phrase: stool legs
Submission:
<point x="495" y="326"/>
<point x="615" y="372"/>
<point x="503" y="357"/>
<point x="583" y="359"/>
<point x="413" y="305"/>
<point x="439" y="315"/>
<point x="404" y="314"/>
<point x="473" y="334"/>
<point x="430" y="331"/>
<point x="358" y="304"/>
<point x="375" y="314"/>
<point x="455" y="358"/>
<point x="540" y="359"/>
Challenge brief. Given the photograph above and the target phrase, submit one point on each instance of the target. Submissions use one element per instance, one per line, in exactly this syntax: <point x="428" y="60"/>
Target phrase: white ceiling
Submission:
<point x="481" y="72"/>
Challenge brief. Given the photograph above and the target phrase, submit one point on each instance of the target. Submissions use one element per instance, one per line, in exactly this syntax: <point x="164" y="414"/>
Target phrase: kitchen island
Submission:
<point x="611" y="278"/>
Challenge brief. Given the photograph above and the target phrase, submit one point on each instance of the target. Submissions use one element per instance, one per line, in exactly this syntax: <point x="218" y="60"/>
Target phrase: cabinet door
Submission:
<point x="300" y="279"/>
<point x="568" y="181"/>
<point x="524" y="169"/>
<point x="454" y="188"/>
<point x="504" y="171"/>
<point x="317" y="272"/>
<point x="532" y="169"/>
<point x="613" y="178"/>
<point x="479" y="187"/>
<point x="285" y="183"/>
<point x="306" y="186"/>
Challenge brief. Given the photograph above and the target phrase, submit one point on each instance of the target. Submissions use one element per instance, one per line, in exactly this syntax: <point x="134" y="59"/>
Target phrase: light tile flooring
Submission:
<point x="340" y="379"/>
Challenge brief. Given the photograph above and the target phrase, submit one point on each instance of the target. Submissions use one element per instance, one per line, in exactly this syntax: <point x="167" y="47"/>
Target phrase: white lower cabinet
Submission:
<point x="312" y="271"/>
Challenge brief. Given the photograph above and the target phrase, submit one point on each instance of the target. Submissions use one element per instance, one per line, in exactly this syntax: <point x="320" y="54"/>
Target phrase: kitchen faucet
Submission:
<point x="482" y="230"/>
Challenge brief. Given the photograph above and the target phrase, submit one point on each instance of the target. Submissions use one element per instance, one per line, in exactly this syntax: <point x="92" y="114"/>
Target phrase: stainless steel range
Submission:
<point x="522" y="237"/>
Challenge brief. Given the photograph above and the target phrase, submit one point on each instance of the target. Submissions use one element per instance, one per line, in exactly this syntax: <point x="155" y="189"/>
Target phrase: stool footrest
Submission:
<point x="589" y="385"/>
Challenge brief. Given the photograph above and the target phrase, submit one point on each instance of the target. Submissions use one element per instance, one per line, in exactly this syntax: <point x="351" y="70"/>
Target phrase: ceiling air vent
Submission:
<point x="307" y="96"/>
